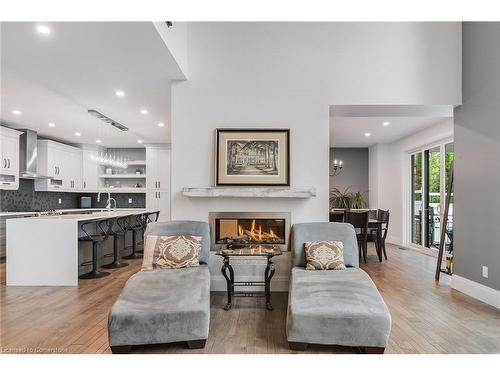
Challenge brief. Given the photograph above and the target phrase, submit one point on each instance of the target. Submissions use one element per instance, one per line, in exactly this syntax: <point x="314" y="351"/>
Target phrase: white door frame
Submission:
<point x="407" y="194"/>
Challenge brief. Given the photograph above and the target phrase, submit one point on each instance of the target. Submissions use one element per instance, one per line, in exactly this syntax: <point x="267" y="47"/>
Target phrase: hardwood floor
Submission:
<point x="426" y="318"/>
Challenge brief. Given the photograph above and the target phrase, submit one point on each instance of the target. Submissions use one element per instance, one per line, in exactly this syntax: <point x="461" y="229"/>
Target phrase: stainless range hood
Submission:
<point x="28" y="156"/>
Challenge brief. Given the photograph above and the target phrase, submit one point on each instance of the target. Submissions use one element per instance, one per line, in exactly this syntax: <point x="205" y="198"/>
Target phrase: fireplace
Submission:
<point x="235" y="230"/>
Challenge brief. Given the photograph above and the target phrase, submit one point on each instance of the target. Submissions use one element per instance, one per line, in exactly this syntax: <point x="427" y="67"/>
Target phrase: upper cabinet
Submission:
<point x="158" y="168"/>
<point x="9" y="158"/>
<point x="90" y="170"/>
<point x="158" y="181"/>
<point x="61" y="161"/>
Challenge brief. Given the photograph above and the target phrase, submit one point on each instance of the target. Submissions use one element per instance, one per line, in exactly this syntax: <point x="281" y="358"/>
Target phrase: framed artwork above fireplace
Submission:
<point x="253" y="157"/>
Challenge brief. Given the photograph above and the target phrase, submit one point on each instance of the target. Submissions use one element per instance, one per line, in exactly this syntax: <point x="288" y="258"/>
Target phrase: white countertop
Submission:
<point x="65" y="211"/>
<point x="45" y="251"/>
<point x="98" y="215"/>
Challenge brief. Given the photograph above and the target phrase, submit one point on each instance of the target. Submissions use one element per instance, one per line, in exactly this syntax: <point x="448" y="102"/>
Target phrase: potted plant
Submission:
<point x="340" y="199"/>
<point x="358" y="200"/>
<point x="346" y="199"/>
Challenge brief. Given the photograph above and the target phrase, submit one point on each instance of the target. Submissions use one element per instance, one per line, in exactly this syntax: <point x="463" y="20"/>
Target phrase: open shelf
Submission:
<point x="131" y="175"/>
<point x="130" y="162"/>
<point x="136" y="162"/>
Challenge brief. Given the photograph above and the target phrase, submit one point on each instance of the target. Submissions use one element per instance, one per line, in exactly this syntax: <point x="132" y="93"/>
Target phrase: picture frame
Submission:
<point x="252" y="157"/>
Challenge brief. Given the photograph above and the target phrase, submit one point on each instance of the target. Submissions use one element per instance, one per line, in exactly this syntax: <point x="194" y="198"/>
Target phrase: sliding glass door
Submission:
<point x="449" y="157"/>
<point x="432" y="207"/>
<point x="430" y="170"/>
<point x="416" y="198"/>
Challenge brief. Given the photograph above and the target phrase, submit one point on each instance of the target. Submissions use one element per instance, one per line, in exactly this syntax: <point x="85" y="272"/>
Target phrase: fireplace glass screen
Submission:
<point x="243" y="232"/>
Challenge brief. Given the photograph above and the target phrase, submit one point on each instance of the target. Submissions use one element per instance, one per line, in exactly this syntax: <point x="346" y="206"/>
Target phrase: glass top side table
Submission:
<point x="258" y="251"/>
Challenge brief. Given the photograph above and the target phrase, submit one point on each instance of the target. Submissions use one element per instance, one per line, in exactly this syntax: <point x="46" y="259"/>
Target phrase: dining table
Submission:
<point x="373" y="224"/>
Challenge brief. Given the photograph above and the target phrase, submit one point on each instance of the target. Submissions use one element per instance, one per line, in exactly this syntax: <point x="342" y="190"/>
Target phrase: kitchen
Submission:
<point x="81" y="141"/>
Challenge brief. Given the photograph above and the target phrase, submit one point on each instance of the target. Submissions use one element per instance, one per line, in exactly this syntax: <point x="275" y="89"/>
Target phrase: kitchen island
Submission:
<point x="45" y="251"/>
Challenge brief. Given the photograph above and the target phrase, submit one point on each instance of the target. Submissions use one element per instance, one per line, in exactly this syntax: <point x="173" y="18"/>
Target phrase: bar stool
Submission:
<point x="117" y="230"/>
<point x="145" y="219"/>
<point x="142" y="221"/>
<point x="103" y="227"/>
<point x="133" y="224"/>
<point x="152" y="217"/>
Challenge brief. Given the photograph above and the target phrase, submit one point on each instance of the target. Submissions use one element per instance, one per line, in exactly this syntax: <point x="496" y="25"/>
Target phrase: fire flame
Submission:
<point x="255" y="234"/>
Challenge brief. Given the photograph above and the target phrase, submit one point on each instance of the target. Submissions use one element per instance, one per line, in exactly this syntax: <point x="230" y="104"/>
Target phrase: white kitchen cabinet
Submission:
<point x="90" y="171"/>
<point x="61" y="161"/>
<point x="152" y="168"/>
<point x="9" y="158"/>
<point x="73" y="169"/>
<point x="158" y="168"/>
<point x="158" y="180"/>
<point x="159" y="200"/>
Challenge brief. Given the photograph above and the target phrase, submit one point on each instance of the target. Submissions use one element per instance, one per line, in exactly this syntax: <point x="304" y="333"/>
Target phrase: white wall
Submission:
<point x="389" y="176"/>
<point x="286" y="75"/>
<point x="175" y="38"/>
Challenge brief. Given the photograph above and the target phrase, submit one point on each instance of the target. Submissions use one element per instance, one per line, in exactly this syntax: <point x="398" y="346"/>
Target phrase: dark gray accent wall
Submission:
<point x="354" y="174"/>
<point x="27" y="199"/>
<point x="477" y="153"/>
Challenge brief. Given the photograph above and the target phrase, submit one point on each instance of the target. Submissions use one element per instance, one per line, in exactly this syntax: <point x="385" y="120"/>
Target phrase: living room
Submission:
<point x="244" y="148"/>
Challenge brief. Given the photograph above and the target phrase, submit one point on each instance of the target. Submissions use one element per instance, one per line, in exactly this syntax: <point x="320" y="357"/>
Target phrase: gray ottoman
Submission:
<point x="334" y="307"/>
<point x="164" y="305"/>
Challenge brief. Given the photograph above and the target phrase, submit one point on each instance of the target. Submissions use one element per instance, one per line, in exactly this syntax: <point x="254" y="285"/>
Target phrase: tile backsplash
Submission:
<point x="27" y="199"/>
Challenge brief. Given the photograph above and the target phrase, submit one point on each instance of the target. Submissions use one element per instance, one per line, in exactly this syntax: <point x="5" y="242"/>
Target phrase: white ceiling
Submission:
<point x="350" y="131"/>
<point x="350" y="123"/>
<point x="79" y="66"/>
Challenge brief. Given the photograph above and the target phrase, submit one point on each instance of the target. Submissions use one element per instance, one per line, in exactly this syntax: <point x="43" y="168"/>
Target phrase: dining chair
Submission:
<point x="384" y="217"/>
<point x="336" y="216"/>
<point x="359" y="220"/>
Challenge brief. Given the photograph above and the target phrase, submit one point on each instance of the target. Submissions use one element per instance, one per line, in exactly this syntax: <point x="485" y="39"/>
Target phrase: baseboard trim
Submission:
<point x="475" y="290"/>
<point x="394" y="240"/>
<point x="278" y="284"/>
<point x="424" y="250"/>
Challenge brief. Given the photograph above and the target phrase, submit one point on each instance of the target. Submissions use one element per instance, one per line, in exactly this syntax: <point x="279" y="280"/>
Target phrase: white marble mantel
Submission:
<point x="249" y="192"/>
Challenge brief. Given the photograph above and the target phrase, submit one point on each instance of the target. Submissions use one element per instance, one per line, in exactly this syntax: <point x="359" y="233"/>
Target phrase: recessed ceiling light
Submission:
<point x="16" y="112"/>
<point x="51" y="124"/>
<point x="161" y="124"/>
<point x="98" y="141"/>
<point x="368" y="134"/>
<point x="386" y="123"/>
<point x="144" y="111"/>
<point x="42" y="29"/>
<point x="139" y="141"/>
<point x="78" y="134"/>
<point x="120" y="93"/>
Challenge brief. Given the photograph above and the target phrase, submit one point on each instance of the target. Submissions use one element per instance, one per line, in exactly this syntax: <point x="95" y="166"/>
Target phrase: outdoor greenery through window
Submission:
<point x="430" y="173"/>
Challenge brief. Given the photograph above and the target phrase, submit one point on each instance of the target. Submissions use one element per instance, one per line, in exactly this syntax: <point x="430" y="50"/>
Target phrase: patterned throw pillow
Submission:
<point x="324" y="255"/>
<point x="178" y="251"/>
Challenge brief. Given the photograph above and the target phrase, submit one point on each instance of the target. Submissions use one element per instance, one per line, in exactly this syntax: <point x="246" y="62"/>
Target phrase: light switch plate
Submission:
<point x="485" y="271"/>
<point x="130" y="200"/>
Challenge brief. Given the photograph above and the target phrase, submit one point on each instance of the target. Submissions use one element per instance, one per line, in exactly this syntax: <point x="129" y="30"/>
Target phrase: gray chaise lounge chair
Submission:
<point x="165" y="305"/>
<point x="331" y="307"/>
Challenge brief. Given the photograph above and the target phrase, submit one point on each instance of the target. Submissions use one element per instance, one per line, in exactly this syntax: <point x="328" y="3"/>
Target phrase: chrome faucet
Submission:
<point x="108" y="206"/>
<point x="108" y="201"/>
